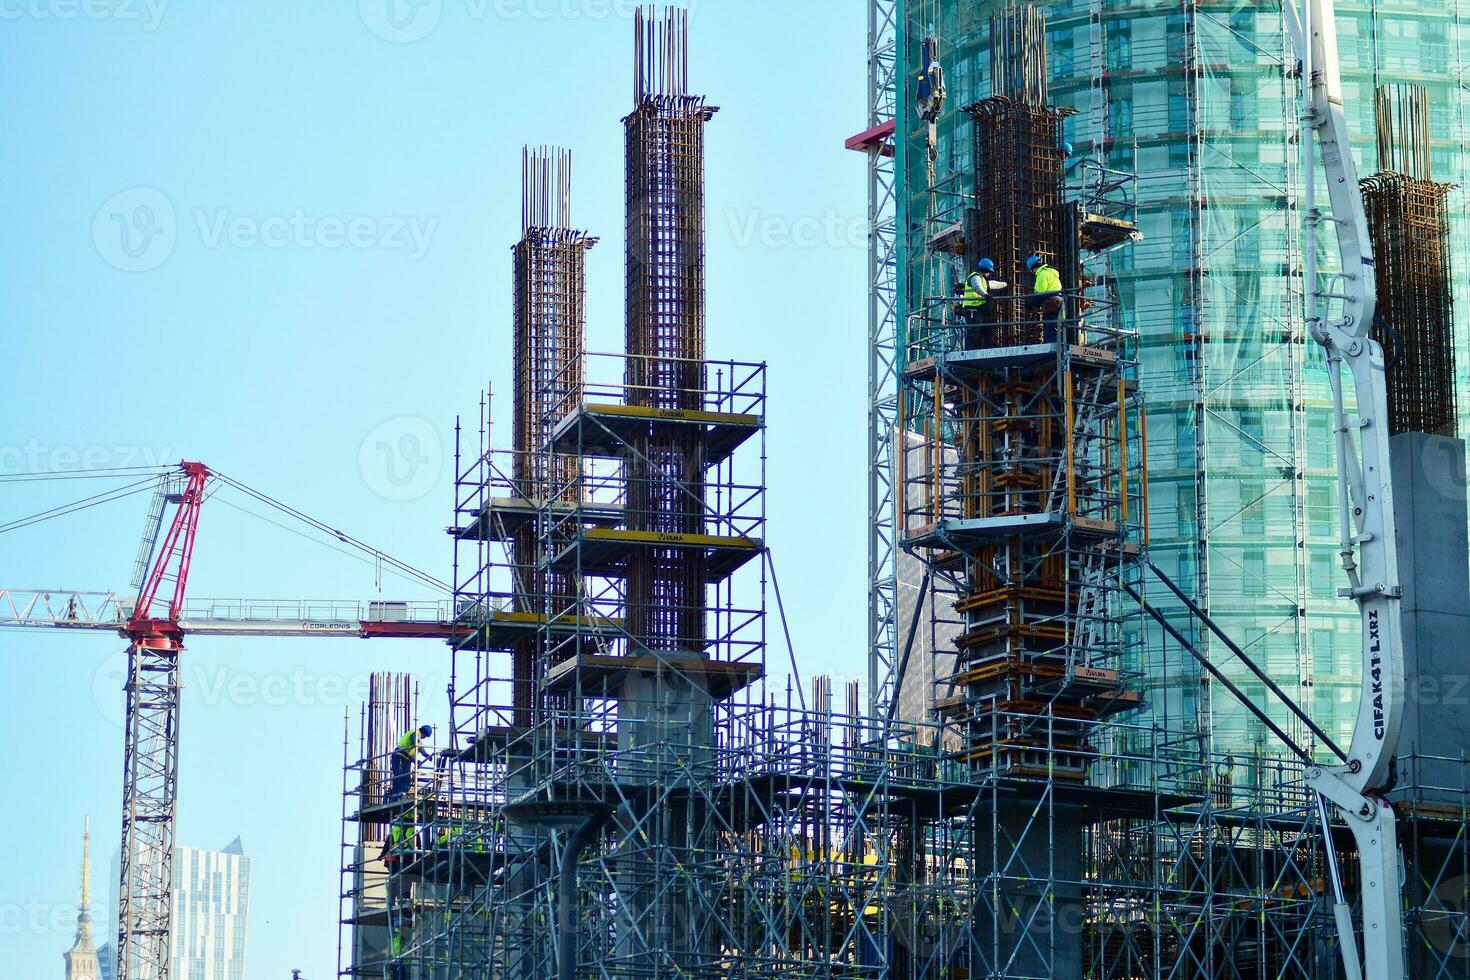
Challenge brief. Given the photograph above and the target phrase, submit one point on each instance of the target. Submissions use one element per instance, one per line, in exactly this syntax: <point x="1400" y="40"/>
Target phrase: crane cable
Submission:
<point x="375" y="554"/>
<point x="107" y="496"/>
<point x="103" y="473"/>
<point x="318" y="541"/>
<point x="157" y="474"/>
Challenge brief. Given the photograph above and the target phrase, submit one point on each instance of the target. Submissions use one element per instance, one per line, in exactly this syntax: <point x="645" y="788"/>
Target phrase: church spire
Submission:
<point x="81" y="959"/>
<point x="86" y="865"/>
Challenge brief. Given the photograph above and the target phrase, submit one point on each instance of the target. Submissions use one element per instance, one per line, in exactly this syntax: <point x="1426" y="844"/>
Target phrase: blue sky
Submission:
<point x="275" y="235"/>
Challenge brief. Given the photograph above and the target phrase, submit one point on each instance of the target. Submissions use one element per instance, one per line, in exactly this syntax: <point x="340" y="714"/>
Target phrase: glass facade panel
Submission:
<point x="1199" y="99"/>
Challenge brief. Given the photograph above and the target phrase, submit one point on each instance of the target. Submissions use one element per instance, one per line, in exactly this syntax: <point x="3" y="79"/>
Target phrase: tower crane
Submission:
<point x="155" y="624"/>
<point x="1365" y="499"/>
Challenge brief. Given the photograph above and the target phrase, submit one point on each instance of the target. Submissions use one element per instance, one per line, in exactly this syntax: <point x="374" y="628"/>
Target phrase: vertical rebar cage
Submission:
<point x="550" y="331"/>
<point x="666" y="330"/>
<point x="1408" y="222"/>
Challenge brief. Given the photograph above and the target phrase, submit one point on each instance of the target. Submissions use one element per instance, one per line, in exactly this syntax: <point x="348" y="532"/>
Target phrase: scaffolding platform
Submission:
<point x="442" y="866"/>
<point x="598" y="673"/>
<point x="382" y="812"/>
<point x="607" y="551"/>
<point x="960" y="534"/>
<point x="930" y="797"/>
<point x="984" y="359"/>
<point x="492" y="743"/>
<point x="1100" y="232"/>
<point x="505" y="630"/>
<point x="948" y="239"/>
<point x="368" y="919"/>
<point x="504" y="517"/>
<point x="605" y="430"/>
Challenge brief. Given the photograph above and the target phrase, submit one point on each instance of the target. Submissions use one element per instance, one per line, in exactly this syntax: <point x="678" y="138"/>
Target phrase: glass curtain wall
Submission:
<point x="1200" y="99"/>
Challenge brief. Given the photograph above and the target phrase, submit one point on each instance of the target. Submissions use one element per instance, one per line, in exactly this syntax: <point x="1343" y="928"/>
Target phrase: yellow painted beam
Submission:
<point x="673" y="414"/>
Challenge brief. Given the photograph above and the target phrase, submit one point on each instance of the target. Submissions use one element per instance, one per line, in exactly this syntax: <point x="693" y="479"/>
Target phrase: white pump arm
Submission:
<point x="1369" y="541"/>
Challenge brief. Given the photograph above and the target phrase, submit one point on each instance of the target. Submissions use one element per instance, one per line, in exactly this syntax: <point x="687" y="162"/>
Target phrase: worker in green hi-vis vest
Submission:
<point x="1046" y="295"/>
<point x="975" y="293"/>
<point x="409" y="748"/>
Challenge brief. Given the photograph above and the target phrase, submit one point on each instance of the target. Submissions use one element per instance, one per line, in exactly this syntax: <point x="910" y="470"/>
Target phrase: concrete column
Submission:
<point x="1434" y="564"/>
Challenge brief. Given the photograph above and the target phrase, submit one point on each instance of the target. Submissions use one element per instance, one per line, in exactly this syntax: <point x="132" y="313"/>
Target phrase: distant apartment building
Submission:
<point x="211" y="904"/>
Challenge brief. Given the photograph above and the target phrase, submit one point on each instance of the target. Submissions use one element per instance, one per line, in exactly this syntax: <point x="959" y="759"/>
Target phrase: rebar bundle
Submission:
<point x="666" y="331"/>
<point x="1018" y="55"/>
<point x="389" y="713"/>
<point x="1018" y="193"/>
<point x="660" y="53"/>
<point x="1402" y="113"/>
<point x="1408" y="222"/>
<point x="550" y="327"/>
<point x="546" y="188"/>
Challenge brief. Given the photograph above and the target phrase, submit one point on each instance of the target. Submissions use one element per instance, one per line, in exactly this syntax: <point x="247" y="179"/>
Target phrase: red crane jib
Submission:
<point x="173" y="561"/>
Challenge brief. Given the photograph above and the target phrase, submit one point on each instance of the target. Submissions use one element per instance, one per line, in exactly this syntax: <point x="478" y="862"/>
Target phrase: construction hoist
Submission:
<point x="930" y="95"/>
<point x="1365" y="498"/>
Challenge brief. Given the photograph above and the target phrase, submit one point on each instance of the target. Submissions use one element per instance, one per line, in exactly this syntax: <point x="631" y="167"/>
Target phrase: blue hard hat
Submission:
<point x="1033" y="262"/>
<point x="1067" y="149"/>
<point x="426" y="730"/>
<point x="985" y="265"/>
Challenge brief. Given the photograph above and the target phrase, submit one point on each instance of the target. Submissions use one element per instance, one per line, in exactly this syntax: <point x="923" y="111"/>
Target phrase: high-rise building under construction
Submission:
<point x="622" y="795"/>
<point x="1199" y="98"/>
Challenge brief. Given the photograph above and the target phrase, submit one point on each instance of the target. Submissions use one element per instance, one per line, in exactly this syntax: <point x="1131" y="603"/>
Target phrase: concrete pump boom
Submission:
<point x="1365" y="495"/>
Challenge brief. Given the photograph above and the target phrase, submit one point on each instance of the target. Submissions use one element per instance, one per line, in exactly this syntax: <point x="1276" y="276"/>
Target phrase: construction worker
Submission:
<point x="1046" y="296"/>
<point x="975" y="292"/>
<point x="410" y="746"/>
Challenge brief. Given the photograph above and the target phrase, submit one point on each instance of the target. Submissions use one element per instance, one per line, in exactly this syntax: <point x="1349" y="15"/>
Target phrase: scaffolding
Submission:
<point x="653" y="807"/>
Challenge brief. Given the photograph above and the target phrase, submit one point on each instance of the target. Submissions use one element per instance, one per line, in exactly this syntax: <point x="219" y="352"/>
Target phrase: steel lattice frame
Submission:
<point x="883" y="87"/>
<point x="150" y="796"/>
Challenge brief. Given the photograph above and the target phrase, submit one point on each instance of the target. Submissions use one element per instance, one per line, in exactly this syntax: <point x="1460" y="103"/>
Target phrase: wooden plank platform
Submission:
<point x="503" y="517"/>
<point x="604" y="429"/>
<point x="601" y="674"/>
<point x="607" y="551"/>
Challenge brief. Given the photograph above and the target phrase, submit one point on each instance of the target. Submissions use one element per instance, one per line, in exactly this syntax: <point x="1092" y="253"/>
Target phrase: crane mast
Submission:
<point x="1365" y="498"/>
<point x="155" y="624"/>
<point x="151" y="748"/>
